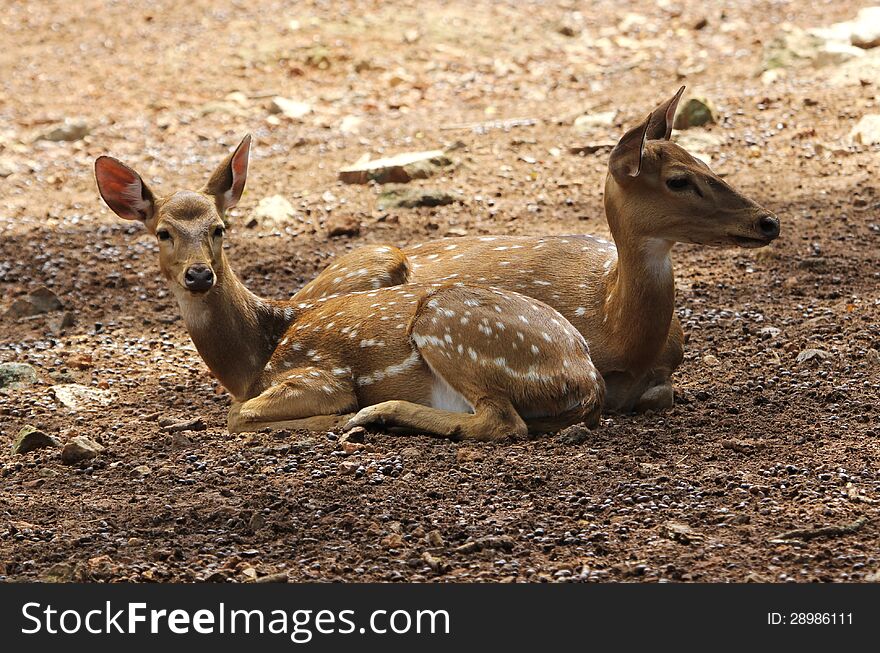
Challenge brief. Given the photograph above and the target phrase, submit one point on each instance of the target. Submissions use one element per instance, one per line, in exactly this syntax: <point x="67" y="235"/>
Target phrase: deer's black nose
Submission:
<point x="768" y="225"/>
<point x="199" y="278"/>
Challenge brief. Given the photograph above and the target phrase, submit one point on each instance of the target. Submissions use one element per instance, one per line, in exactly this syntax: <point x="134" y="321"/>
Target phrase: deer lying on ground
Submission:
<point x="619" y="295"/>
<point x="442" y="358"/>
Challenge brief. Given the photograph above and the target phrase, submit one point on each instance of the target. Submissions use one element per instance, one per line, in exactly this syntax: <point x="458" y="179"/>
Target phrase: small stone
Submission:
<point x="141" y="471"/>
<point x="697" y="111"/>
<point x="30" y="438"/>
<point x="865" y="32"/>
<point x="348" y="467"/>
<point x="338" y="226"/>
<point x="351" y="447"/>
<point x="79" y="449"/>
<point x="408" y="198"/>
<point x="808" y="355"/>
<point x="16" y="375"/>
<point x="71" y="129"/>
<point x="351" y="124"/>
<point x="292" y="109"/>
<point x="58" y="325"/>
<point x="180" y="441"/>
<point x="873" y="356"/>
<point x="357" y="435"/>
<point x="42" y="300"/>
<point x="711" y="361"/>
<point x="866" y="130"/>
<point x="392" y="541"/>
<point x="7" y="167"/>
<point x="273" y="211"/>
<point x="575" y="434"/>
<point x="76" y="396"/>
<point x="280" y="577"/>
<point x="401" y="168"/>
<point x="681" y="533"/>
<point x="456" y="231"/>
<point x="590" y="122"/>
<point x="194" y="424"/>
<point x="435" y="538"/>
<point x="436" y="564"/>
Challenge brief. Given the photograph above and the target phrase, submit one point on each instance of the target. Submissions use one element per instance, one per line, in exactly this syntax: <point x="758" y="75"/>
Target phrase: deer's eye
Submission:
<point x="219" y="231"/>
<point x="678" y="183"/>
<point x="163" y="234"/>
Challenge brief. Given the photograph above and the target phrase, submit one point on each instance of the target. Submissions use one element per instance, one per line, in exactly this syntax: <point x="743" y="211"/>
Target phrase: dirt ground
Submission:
<point x="758" y="443"/>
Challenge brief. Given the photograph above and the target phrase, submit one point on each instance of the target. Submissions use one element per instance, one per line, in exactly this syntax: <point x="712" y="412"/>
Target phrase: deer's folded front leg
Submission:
<point x="303" y="398"/>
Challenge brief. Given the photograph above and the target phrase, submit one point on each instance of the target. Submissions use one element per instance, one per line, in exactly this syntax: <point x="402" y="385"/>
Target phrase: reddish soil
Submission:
<point x="757" y="444"/>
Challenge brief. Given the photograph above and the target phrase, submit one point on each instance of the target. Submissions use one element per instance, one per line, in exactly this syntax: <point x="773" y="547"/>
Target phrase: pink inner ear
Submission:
<point x="239" y="171"/>
<point x="121" y="188"/>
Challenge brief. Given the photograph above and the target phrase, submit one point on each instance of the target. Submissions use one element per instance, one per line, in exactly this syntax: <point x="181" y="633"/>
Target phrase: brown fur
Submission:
<point x="442" y="358"/>
<point x="620" y="296"/>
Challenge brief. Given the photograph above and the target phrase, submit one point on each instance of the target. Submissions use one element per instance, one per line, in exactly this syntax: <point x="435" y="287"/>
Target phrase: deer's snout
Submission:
<point x="768" y="226"/>
<point x="199" y="278"/>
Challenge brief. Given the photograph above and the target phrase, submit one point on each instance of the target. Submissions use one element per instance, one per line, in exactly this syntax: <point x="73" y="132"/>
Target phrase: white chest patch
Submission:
<point x="443" y="397"/>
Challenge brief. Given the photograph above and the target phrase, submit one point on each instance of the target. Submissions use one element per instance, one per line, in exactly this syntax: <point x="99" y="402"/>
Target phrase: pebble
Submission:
<point x="695" y="112"/>
<point x="15" y="375"/>
<point x="408" y="198"/>
<point x="866" y="130"/>
<point x="71" y="129"/>
<point x="272" y="211"/>
<point x="400" y="169"/>
<point x="292" y="109"/>
<point x="76" y="396"/>
<point x="42" y="300"/>
<point x="813" y="354"/>
<point x="79" y="449"/>
<point x="339" y="226"/>
<point x="30" y="438"/>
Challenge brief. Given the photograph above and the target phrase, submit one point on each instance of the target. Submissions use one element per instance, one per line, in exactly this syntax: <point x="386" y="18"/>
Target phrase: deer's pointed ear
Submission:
<point x="626" y="157"/>
<point x="662" y="118"/>
<point x="227" y="182"/>
<point x="123" y="190"/>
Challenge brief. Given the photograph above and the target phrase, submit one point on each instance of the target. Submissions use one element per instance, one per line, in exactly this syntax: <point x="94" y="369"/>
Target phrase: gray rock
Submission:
<point x="71" y="129"/>
<point x="42" y="300"/>
<point x="407" y="198"/>
<point x="657" y="398"/>
<point x="75" y="396"/>
<point x="30" y="439"/>
<point x="272" y="211"/>
<point x="79" y="449"/>
<point x="590" y="122"/>
<point x="292" y="109"/>
<point x="695" y="112"/>
<point x="14" y="375"/>
<point x="813" y="354"/>
<point x="399" y="169"/>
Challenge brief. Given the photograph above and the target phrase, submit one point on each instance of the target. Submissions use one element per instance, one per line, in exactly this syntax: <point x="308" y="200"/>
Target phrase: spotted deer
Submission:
<point x="620" y="295"/>
<point x="442" y="358"/>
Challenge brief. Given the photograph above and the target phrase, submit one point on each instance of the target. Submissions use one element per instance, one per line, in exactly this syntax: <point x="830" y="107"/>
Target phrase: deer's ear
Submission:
<point x="626" y="157"/>
<point x="662" y="118"/>
<point x="227" y="182"/>
<point x="123" y="190"/>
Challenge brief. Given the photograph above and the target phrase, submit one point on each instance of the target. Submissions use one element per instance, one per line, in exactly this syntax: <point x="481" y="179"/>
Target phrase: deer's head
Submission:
<point x="189" y="225"/>
<point x="655" y="189"/>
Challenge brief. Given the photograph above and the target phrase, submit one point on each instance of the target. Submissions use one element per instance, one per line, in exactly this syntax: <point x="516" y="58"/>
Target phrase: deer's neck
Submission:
<point x="640" y="294"/>
<point x="234" y="331"/>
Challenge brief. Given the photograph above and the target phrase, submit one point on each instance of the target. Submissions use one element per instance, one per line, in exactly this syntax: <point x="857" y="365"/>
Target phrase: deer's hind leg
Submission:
<point x="305" y="398"/>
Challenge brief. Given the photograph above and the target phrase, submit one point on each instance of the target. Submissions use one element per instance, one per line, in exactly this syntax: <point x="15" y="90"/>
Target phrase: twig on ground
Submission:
<point x="825" y="531"/>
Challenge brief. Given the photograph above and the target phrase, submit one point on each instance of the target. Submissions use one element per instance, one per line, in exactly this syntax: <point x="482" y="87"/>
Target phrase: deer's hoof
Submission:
<point x="656" y="398"/>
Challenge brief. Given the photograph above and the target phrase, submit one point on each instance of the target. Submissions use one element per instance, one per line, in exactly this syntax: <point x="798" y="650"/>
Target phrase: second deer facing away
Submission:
<point x="441" y="358"/>
<point x="619" y="295"/>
